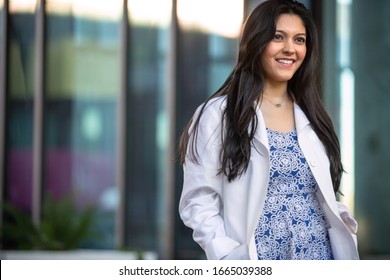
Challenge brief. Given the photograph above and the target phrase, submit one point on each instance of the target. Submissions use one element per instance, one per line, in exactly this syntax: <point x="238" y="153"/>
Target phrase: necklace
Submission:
<point x="277" y="105"/>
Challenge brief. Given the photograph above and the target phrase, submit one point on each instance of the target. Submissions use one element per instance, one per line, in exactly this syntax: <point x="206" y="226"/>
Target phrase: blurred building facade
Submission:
<point x="94" y="96"/>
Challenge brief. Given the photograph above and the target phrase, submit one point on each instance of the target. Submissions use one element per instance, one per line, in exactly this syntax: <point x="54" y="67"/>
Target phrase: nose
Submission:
<point x="288" y="48"/>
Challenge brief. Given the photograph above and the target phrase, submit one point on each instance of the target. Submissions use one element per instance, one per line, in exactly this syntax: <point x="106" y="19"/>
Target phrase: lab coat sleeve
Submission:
<point x="200" y="204"/>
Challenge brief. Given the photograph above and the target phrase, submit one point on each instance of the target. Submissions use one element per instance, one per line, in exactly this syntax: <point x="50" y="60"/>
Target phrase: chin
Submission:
<point x="284" y="79"/>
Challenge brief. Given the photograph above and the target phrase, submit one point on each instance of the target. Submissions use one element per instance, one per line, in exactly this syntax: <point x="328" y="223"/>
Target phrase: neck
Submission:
<point x="275" y="90"/>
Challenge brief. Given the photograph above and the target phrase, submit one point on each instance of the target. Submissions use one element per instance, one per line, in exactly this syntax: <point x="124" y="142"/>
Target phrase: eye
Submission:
<point x="278" y="37"/>
<point x="301" y="40"/>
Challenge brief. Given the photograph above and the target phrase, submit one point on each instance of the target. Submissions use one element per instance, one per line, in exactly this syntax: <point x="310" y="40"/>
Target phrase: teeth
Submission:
<point x="285" y="61"/>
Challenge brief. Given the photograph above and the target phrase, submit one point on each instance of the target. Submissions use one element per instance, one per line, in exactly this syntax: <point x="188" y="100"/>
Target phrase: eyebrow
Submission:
<point x="285" y="33"/>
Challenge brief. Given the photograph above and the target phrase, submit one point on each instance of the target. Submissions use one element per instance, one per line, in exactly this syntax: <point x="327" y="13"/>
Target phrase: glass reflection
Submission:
<point x="82" y="86"/>
<point x="1" y="20"/>
<point x="147" y="122"/>
<point x="20" y="92"/>
<point x="193" y="15"/>
<point x="207" y="48"/>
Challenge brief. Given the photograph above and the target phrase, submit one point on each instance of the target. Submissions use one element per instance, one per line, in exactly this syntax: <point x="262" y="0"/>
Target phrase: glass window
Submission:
<point x="1" y="20"/>
<point x="147" y="122"/>
<point x="356" y="90"/>
<point x="369" y="62"/>
<point x="206" y="55"/>
<point x="20" y="93"/>
<point x="82" y="87"/>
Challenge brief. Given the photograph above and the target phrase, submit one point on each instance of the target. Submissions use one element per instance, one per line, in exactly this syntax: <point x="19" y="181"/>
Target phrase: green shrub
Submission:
<point x="62" y="226"/>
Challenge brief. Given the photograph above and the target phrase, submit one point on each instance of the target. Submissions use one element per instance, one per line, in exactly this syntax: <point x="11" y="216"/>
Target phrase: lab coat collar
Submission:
<point x="301" y="120"/>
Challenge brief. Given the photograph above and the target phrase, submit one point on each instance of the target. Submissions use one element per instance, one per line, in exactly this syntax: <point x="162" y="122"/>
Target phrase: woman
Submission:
<point x="261" y="158"/>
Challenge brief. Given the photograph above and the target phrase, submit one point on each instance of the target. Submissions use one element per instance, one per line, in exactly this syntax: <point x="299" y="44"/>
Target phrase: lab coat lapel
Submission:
<point x="311" y="147"/>
<point x="258" y="175"/>
<point x="261" y="133"/>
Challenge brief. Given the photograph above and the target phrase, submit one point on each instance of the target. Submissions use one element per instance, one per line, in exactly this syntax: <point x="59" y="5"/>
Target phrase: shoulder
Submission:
<point x="210" y="111"/>
<point x="215" y="106"/>
<point x="207" y="119"/>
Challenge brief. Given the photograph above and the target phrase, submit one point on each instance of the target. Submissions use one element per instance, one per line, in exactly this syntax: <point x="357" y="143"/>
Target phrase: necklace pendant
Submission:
<point x="278" y="105"/>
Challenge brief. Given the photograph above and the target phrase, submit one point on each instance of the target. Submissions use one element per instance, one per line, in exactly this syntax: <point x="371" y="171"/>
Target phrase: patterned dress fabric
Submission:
<point x="293" y="225"/>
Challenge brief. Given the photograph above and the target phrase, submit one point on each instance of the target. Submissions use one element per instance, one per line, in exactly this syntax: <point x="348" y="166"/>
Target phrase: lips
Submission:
<point x="285" y="61"/>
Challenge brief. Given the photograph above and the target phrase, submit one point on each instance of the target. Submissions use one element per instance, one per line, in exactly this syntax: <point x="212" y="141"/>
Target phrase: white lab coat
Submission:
<point x="224" y="215"/>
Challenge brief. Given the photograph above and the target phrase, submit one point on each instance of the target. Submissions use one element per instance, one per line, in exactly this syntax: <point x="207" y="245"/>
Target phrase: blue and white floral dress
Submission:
<point x="293" y="224"/>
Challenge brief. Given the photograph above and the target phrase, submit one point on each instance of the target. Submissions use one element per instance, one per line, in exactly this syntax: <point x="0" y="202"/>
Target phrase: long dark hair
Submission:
<point x="245" y="85"/>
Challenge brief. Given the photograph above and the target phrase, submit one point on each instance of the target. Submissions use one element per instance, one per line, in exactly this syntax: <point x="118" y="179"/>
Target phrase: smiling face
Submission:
<point x="285" y="53"/>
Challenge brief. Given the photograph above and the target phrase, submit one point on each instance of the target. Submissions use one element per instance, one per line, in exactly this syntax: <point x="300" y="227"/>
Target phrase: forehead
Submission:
<point x="290" y="23"/>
